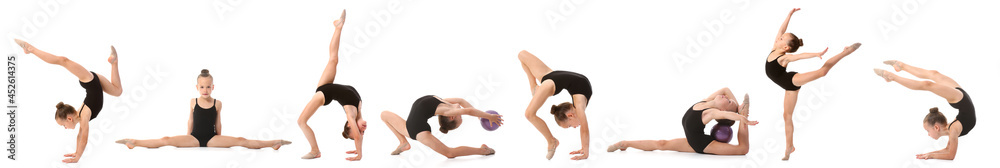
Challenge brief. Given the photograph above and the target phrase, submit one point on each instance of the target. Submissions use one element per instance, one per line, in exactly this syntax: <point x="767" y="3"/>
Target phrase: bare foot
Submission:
<point x="489" y="151"/>
<point x="616" y="147"/>
<point x="312" y="155"/>
<point x="28" y="49"/>
<point x="896" y="65"/>
<point x="552" y="149"/>
<point x="130" y="143"/>
<point x="278" y="144"/>
<point x="113" y="59"/>
<point x="885" y="75"/>
<point x="788" y="151"/>
<point x="401" y="148"/>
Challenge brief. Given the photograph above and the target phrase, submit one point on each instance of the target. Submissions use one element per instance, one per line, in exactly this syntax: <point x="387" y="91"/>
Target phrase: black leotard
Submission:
<point x="422" y="110"/>
<point x="95" y="95"/>
<point x="694" y="129"/>
<point x="966" y="113"/>
<point x="779" y="75"/>
<point x="573" y="82"/>
<point x="203" y="126"/>
<point x="344" y="94"/>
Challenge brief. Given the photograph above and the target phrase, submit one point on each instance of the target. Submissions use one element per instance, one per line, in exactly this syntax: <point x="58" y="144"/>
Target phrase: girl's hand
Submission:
<point x="924" y="156"/>
<point x="495" y="119"/>
<point x="71" y="160"/>
<point x="794" y="10"/>
<point x="824" y="52"/>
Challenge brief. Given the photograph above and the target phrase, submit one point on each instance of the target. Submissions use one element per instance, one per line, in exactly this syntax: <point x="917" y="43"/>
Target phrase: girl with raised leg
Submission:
<point x="934" y="122"/>
<point x="326" y="92"/>
<point x="544" y="83"/>
<point x="777" y="61"/>
<point x="93" y="83"/>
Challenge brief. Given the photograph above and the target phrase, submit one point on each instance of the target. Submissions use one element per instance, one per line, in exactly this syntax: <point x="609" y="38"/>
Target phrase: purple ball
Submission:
<point x="486" y="123"/>
<point x="722" y="133"/>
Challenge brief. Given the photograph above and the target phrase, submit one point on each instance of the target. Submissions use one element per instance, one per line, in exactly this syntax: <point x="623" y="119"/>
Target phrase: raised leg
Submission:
<point x="223" y="141"/>
<point x="933" y="75"/>
<point x="178" y="141"/>
<point x="533" y="66"/>
<point x="803" y="78"/>
<point x="330" y="72"/>
<point x="314" y="103"/>
<point x="679" y="144"/>
<point x="114" y="86"/>
<point x="398" y="127"/>
<point x="428" y="139"/>
<point x="77" y="70"/>
<point x="791" y="98"/>
<point x="948" y="92"/>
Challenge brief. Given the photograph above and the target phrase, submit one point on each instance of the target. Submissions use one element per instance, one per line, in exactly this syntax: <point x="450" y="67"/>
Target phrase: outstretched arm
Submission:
<point x="460" y="101"/>
<point x="715" y="114"/>
<point x="784" y="25"/>
<point x="788" y="58"/>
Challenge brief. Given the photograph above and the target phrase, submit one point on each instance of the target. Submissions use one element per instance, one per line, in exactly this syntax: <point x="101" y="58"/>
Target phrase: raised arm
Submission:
<point x="784" y="25"/>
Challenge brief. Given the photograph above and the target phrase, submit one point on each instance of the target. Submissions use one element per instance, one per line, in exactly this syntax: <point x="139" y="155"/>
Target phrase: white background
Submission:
<point x="266" y="57"/>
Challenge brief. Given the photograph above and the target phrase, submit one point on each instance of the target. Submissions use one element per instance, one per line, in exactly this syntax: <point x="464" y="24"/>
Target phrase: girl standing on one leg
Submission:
<point x="545" y="83"/>
<point x="92" y="82"/>
<point x="791" y="81"/>
<point x="935" y="122"/>
<point x="204" y="125"/>
<point x="326" y="92"/>
<point x="449" y="112"/>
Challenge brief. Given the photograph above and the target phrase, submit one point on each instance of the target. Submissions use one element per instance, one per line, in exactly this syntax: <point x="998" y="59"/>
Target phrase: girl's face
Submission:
<point x="68" y="122"/>
<point x="571" y="120"/>
<point x="934" y="131"/>
<point x="782" y="42"/>
<point x="205" y="87"/>
<point x="724" y="103"/>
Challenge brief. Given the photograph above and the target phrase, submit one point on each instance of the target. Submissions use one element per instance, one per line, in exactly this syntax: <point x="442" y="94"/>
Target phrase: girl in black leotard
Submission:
<point x="93" y="103"/>
<point x="326" y="92"/>
<point x="720" y="106"/>
<point x="775" y="68"/>
<point x="936" y="123"/>
<point x="545" y="83"/>
<point x="205" y="127"/>
<point x="449" y="112"/>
